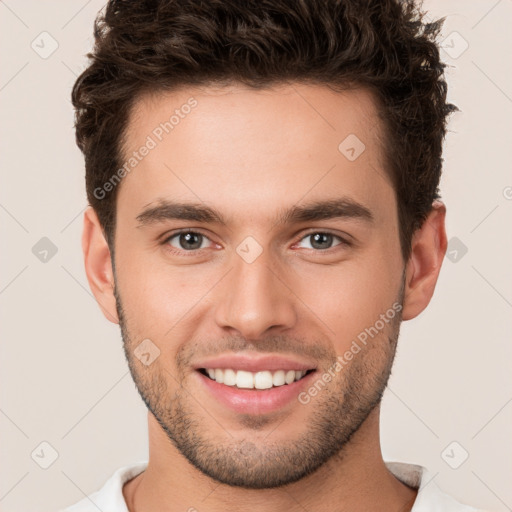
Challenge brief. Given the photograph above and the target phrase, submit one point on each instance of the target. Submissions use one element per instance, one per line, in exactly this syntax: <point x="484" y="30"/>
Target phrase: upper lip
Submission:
<point x="254" y="363"/>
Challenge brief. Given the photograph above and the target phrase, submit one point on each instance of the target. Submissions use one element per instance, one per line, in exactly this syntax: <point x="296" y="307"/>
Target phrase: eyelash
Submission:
<point x="173" y="250"/>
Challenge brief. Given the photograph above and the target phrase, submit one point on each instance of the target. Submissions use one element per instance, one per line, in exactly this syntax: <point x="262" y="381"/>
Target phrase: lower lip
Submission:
<point x="256" y="401"/>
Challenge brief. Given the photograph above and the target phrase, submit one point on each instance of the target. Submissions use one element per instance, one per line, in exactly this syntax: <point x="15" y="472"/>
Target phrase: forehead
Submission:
<point x="244" y="149"/>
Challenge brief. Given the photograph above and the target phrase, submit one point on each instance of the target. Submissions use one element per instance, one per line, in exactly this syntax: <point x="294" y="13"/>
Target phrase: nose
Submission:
<point x="255" y="299"/>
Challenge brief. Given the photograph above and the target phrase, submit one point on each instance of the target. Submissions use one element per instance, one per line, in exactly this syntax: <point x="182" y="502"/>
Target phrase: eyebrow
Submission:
<point x="197" y="212"/>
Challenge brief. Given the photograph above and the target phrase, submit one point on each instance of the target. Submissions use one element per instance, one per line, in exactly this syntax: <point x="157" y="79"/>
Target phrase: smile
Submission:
<point x="255" y="393"/>
<point x="265" y="379"/>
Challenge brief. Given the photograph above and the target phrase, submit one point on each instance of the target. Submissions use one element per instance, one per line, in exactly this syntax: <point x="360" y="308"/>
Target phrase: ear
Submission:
<point x="98" y="265"/>
<point x="427" y="254"/>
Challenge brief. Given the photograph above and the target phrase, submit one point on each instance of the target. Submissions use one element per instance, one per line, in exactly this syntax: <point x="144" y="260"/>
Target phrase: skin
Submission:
<point x="251" y="155"/>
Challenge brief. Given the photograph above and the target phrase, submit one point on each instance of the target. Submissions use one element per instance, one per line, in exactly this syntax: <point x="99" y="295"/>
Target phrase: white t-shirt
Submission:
<point x="429" y="499"/>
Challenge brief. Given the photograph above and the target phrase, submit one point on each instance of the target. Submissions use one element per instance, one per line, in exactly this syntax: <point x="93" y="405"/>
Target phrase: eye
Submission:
<point x="187" y="241"/>
<point x="191" y="241"/>
<point x="322" y="241"/>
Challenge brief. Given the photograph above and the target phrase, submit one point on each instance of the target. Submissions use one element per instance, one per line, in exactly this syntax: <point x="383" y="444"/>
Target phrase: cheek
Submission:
<point x="162" y="302"/>
<point x="347" y="299"/>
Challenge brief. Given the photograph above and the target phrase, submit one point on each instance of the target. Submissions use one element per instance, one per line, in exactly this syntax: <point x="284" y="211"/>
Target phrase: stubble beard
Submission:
<point x="335" y="415"/>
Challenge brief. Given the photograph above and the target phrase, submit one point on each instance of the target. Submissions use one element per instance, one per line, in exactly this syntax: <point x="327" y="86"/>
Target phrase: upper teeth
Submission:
<point x="251" y="380"/>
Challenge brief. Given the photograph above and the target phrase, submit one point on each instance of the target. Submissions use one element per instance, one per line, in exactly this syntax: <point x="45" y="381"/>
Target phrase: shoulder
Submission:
<point x="110" y="497"/>
<point x="430" y="496"/>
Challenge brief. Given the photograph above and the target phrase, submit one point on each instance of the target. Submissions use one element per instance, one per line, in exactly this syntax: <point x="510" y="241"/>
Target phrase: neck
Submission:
<point x="355" y="479"/>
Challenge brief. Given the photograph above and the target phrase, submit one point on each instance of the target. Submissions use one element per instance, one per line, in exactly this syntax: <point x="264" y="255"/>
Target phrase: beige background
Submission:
<point x="64" y="380"/>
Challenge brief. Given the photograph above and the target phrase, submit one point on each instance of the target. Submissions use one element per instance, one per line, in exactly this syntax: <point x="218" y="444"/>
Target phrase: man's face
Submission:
<point x="260" y="291"/>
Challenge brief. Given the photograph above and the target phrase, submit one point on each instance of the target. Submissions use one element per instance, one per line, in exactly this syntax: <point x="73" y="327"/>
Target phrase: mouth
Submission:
<point x="260" y="380"/>
<point x="255" y="393"/>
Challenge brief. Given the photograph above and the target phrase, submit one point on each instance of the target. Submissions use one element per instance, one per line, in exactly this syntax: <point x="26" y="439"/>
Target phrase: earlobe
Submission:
<point x="98" y="265"/>
<point x="427" y="255"/>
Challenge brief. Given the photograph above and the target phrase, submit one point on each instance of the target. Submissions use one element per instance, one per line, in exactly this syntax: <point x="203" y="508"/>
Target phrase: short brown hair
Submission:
<point x="384" y="45"/>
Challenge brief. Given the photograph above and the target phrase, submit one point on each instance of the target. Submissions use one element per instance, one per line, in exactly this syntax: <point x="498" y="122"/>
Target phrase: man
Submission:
<point x="263" y="181"/>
